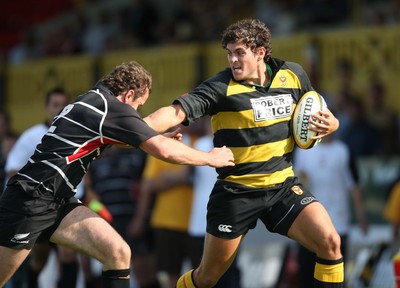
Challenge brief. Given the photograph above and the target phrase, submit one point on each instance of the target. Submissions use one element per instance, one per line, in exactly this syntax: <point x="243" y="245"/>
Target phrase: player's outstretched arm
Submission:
<point x="173" y="151"/>
<point x="165" y="118"/>
<point x="325" y="123"/>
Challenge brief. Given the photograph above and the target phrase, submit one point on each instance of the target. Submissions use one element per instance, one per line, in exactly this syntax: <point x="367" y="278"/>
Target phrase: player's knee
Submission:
<point x="120" y="255"/>
<point x="331" y="245"/>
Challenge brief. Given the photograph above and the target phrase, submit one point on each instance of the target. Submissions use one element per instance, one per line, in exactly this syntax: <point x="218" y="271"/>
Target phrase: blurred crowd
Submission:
<point x="367" y="127"/>
<point x="367" y="124"/>
<point x="97" y="26"/>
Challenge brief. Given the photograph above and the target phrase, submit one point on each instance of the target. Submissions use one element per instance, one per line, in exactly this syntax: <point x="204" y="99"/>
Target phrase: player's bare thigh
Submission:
<point x="85" y="231"/>
<point x="10" y="260"/>
<point x="313" y="229"/>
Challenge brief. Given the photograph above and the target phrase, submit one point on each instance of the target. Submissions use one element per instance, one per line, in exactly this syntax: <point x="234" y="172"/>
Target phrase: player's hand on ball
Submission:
<point x="221" y="157"/>
<point x="323" y="122"/>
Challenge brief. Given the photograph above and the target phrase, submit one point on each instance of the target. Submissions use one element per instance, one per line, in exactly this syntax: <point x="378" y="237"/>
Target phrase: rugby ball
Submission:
<point x="310" y="103"/>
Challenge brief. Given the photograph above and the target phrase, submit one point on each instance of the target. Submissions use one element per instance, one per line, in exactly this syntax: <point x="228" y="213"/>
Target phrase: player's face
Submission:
<point x="145" y="96"/>
<point x="243" y="62"/>
<point x="130" y="99"/>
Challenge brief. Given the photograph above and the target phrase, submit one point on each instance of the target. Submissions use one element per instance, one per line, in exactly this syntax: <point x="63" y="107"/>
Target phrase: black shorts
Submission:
<point x="24" y="219"/>
<point x="231" y="214"/>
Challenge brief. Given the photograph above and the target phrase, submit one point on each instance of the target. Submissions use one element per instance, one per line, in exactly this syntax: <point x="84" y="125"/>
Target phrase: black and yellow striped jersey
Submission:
<point x="253" y="121"/>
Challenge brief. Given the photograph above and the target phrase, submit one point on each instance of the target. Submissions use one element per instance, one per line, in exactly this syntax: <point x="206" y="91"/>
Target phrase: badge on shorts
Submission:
<point x="297" y="190"/>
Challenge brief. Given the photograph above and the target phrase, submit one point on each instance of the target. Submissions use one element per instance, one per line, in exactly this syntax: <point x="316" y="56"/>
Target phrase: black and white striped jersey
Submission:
<point x="76" y="137"/>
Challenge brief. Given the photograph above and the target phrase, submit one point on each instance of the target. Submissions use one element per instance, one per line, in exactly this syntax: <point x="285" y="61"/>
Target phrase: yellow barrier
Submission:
<point x="174" y="70"/>
<point x="28" y="84"/>
<point x="374" y="52"/>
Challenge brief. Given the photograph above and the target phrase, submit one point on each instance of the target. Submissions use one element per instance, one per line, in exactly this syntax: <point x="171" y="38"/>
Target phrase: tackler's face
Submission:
<point x="243" y="61"/>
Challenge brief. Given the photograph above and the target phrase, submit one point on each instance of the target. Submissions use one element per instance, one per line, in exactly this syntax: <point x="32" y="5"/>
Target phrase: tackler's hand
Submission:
<point x="221" y="157"/>
<point x="324" y="123"/>
<point x="175" y="134"/>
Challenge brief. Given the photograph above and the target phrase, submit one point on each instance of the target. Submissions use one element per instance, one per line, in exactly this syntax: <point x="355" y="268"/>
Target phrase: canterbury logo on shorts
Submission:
<point x="20" y="238"/>
<point x="225" y="228"/>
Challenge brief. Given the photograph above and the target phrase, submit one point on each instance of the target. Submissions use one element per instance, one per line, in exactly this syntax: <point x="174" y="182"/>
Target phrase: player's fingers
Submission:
<point x="316" y="125"/>
<point x="176" y="131"/>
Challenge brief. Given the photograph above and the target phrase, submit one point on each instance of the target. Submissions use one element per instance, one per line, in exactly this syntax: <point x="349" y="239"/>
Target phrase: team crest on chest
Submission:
<point x="272" y="107"/>
<point x="282" y="79"/>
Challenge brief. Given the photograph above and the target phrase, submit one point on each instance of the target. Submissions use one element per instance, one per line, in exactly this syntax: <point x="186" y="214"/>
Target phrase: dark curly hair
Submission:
<point x="128" y="76"/>
<point x="251" y="32"/>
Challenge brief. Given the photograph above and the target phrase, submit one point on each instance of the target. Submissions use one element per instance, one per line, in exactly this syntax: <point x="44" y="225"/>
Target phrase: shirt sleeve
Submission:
<point x="305" y="82"/>
<point x="124" y="124"/>
<point x="205" y="99"/>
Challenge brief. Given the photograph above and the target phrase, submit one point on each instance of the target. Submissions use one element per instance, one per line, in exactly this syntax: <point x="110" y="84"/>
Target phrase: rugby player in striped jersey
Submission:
<point x="251" y="104"/>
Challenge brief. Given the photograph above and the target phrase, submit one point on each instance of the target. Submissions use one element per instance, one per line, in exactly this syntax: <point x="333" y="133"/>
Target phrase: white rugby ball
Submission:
<point x="310" y="103"/>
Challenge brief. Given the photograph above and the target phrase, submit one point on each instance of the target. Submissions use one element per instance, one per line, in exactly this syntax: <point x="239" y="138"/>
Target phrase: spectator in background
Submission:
<point x="278" y="15"/>
<point x="55" y="100"/>
<point x="326" y="170"/>
<point x="345" y="79"/>
<point x="143" y="20"/>
<point x="98" y="32"/>
<point x="26" y="49"/>
<point x="382" y="118"/>
<point x="114" y="181"/>
<point x="360" y="135"/>
<point x="7" y="140"/>
<point x="169" y="187"/>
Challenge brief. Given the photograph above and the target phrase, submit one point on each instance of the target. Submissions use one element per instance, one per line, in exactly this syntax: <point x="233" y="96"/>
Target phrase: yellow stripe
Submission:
<point x="261" y="180"/>
<point x="283" y="79"/>
<point x="237" y="88"/>
<point x="240" y="120"/>
<point x="264" y="152"/>
<point x="286" y="79"/>
<point x="329" y="273"/>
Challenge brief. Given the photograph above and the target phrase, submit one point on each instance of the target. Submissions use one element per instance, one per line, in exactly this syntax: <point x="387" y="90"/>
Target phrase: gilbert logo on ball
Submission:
<point x="310" y="103"/>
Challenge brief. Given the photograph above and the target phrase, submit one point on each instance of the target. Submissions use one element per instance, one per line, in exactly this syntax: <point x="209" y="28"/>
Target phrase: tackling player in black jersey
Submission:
<point x="39" y="201"/>
<point x="251" y="104"/>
